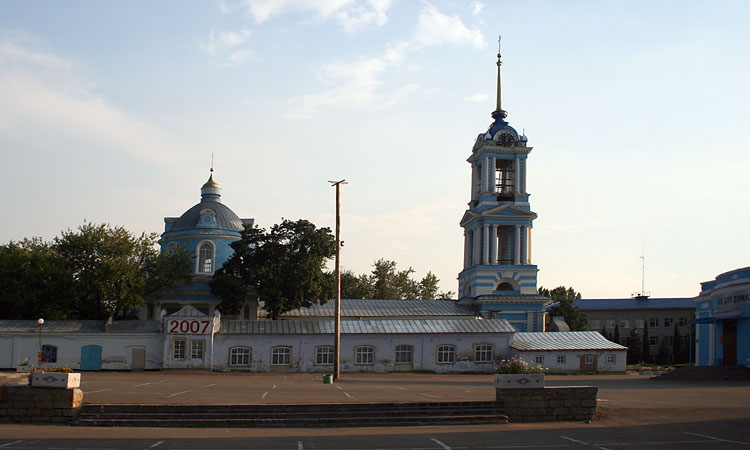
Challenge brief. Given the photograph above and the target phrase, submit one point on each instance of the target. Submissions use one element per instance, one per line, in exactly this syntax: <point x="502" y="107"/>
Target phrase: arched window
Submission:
<point x="364" y="354"/>
<point x="446" y="354"/>
<point x="206" y="258"/>
<point x="505" y="287"/>
<point x="324" y="355"/>
<point x="281" y="356"/>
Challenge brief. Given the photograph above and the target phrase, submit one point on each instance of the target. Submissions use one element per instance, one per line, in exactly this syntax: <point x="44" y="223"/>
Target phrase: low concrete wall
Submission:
<point x="564" y="403"/>
<point x="40" y="405"/>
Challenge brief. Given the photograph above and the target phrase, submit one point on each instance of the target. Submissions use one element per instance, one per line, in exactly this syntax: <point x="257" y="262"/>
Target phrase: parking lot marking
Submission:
<point x="445" y="447"/>
<point x="428" y="395"/>
<point x="10" y="443"/>
<point x="273" y="387"/>
<point x="584" y="443"/>
<point x="715" y="438"/>
<point x="178" y="393"/>
<point x="299" y="445"/>
<point x="156" y="444"/>
<point x="403" y="389"/>
<point x="150" y="382"/>
<point x="209" y="385"/>
<point x="348" y="395"/>
<point x="94" y="392"/>
<point x="339" y="387"/>
<point x="264" y="394"/>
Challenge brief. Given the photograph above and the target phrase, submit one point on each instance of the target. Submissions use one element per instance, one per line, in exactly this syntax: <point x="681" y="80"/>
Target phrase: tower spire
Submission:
<point x="499" y="112"/>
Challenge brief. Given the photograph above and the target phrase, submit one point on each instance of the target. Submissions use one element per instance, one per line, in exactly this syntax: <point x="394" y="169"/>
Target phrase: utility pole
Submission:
<point x="337" y="320"/>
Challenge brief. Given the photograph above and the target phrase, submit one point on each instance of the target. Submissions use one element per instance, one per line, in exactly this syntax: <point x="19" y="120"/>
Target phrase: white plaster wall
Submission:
<point x="116" y="349"/>
<point x="572" y="362"/>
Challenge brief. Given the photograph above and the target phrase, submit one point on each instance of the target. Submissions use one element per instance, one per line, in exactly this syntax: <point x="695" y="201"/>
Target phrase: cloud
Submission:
<point x="479" y="98"/>
<point x="221" y="40"/>
<point x="476" y="8"/>
<point x="356" y="83"/>
<point x="46" y="100"/>
<point x="352" y="15"/>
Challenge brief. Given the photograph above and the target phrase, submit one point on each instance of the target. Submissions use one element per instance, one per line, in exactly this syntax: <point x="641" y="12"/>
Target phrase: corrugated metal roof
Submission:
<point x="568" y="340"/>
<point x="634" y="303"/>
<point x="403" y="326"/>
<point x="134" y="326"/>
<point x="52" y="326"/>
<point x="386" y="308"/>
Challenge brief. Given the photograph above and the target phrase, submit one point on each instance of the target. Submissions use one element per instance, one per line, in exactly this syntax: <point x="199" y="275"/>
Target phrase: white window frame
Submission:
<point x="624" y="323"/>
<point x="179" y="349"/>
<point x="197" y="348"/>
<point x="539" y="360"/>
<point x="240" y="356"/>
<point x="445" y="354"/>
<point x="668" y="322"/>
<point x="588" y="359"/>
<point x="653" y="322"/>
<point x="281" y="355"/>
<point x="560" y="359"/>
<point x="324" y="355"/>
<point x="595" y="324"/>
<point x="202" y="259"/>
<point x="404" y="354"/>
<point x="610" y="324"/>
<point x="611" y="358"/>
<point x="653" y="340"/>
<point x="484" y="353"/>
<point x="364" y="355"/>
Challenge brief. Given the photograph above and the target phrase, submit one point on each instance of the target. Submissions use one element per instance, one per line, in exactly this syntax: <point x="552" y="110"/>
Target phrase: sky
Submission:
<point x="637" y="113"/>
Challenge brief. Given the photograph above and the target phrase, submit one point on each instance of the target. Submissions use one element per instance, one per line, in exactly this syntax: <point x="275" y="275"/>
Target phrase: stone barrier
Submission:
<point x="559" y="403"/>
<point x="39" y="405"/>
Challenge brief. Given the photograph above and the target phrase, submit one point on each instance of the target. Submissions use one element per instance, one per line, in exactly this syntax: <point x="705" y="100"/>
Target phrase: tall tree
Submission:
<point x="564" y="297"/>
<point x="646" y="353"/>
<point x="284" y="265"/>
<point x="616" y="337"/>
<point x="635" y="347"/>
<point x="676" y="344"/>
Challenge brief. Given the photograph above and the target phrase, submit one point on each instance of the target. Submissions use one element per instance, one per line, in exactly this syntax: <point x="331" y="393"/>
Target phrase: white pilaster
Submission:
<point x="517" y="236"/>
<point x="493" y="245"/>
<point x="485" y="244"/>
<point x="528" y="247"/>
<point x="525" y="240"/>
<point x="475" y="246"/>
<point x="467" y="250"/>
<point x="491" y="169"/>
<point x="473" y="182"/>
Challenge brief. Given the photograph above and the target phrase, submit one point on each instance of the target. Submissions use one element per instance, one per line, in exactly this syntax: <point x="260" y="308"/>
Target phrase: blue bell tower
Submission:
<point x="498" y="278"/>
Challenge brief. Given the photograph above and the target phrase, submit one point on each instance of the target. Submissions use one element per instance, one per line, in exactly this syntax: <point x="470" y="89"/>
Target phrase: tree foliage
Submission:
<point x="635" y="347"/>
<point x="646" y="352"/>
<point x="284" y="265"/>
<point x="386" y="282"/>
<point x="564" y="297"/>
<point x="94" y="272"/>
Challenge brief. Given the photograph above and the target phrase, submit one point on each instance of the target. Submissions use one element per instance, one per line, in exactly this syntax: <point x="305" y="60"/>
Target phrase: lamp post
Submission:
<point x="40" y="322"/>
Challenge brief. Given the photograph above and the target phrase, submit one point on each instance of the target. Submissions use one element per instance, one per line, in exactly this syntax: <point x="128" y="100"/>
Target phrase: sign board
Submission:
<point x="726" y="301"/>
<point x="192" y="325"/>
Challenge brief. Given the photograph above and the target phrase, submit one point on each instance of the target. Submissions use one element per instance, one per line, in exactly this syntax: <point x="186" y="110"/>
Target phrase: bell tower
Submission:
<point x="498" y="278"/>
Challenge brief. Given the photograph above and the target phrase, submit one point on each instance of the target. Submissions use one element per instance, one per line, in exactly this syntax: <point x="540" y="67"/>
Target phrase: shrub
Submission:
<point x="518" y="366"/>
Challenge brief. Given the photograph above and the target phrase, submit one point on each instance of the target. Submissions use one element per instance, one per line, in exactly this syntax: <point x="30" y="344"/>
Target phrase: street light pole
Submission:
<point x="40" y="322"/>
<point x="337" y="321"/>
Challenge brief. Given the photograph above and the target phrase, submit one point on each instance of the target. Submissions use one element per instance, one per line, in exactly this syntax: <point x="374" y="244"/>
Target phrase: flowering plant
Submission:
<point x="516" y="365"/>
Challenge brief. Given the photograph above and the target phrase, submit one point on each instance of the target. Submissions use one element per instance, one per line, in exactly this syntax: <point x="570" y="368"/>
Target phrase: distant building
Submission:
<point x="723" y="320"/>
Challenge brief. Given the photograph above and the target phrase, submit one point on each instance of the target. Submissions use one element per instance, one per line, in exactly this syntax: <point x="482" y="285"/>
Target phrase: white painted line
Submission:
<point x="339" y="387"/>
<point x="94" y="392"/>
<point x="156" y="444"/>
<point x="178" y="393"/>
<point x="264" y="394"/>
<point x="445" y="447"/>
<point x="428" y="395"/>
<point x="299" y="445"/>
<point x="209" y="385"/>
<point x="10" y="443"/>
<point x="403" y="389"/>
<point x="348" y="395"/>
<point x="150" y="382"/>
<point x="715" y="438"/>
<point x="273" y="387"/>
<point x="584" y="443"/>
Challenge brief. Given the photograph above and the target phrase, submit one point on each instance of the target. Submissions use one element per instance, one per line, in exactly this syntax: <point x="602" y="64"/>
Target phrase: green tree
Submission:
<point x="646" y="353"/>
<point x="113" y="271"/>
<point x="634" y="355"/>
<point x="676" y="344"/>
<point x="388" y="283"/>
<point x="564" y="297"/>
<point x="284" y="265"/>
<point x="616" y="337"/>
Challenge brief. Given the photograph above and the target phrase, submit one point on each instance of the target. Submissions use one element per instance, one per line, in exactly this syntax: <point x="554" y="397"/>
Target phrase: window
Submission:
<point x="611" y="359"/>
<point x="683" y="340"/>
<point x="206" y="258"/>
<point x="610" y="323"/>
<point x="668" y="323"/>
<point x="239" y="356"/>
<point x="483" y="353"/>
<point x="595" y="325"/>
<point x="178" y="349"/>
<point x="539" y="359"/>
<point x="404" y="354"/>
<point x="324" y="355"/>
<point x="667" y="340"/>
<point x="197" y="348"/>
<point x="653" y="322"/>
<point x="504" y="177"/>
<point x="682" y="322"/>
<point x="364" y="354"/>
<point x="639" y="323"/>
<point x="625" y="323"/>
<point x="49" y="354"/>
<point x="446" y="354"/>
<point x="588" y="359"/>
<point x="653" y="340"/>
<point x="561" y="359"/>
<point x="281" y="356"/>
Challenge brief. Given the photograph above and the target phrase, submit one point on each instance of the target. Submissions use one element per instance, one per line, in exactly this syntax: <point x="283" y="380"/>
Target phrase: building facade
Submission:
<point x="723" y="320"/>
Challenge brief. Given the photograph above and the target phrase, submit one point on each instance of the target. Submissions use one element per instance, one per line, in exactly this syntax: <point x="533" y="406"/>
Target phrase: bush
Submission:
<point x="518" y="366"/>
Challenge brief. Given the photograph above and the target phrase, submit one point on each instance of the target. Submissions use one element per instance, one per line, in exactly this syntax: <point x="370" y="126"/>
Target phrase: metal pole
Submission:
<point x="337" y="321"/>
<point x="40" y="322"/>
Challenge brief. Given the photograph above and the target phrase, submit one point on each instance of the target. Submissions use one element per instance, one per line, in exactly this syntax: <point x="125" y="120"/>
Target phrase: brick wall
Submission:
<point x="568" y="403"/>
<point x="41" y="405"/>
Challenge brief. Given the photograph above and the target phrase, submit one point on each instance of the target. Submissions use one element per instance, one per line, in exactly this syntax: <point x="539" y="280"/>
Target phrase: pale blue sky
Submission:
<point x="636" y="110"/>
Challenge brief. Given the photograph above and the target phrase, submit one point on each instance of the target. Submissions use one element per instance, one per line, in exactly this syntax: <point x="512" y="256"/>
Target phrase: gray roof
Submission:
<point x="80" y="326"/>
<point x="386" y="308"/>
<point x="567" y="340"/>
<point x="226" y="219"/>
<point x="405" y="326"/>
<point x="134" y="326"/>
<point x="634" y="303"/>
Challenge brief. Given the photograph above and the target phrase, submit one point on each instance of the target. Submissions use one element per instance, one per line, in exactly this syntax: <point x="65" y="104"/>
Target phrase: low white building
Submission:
<point x="570" y="352"/>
